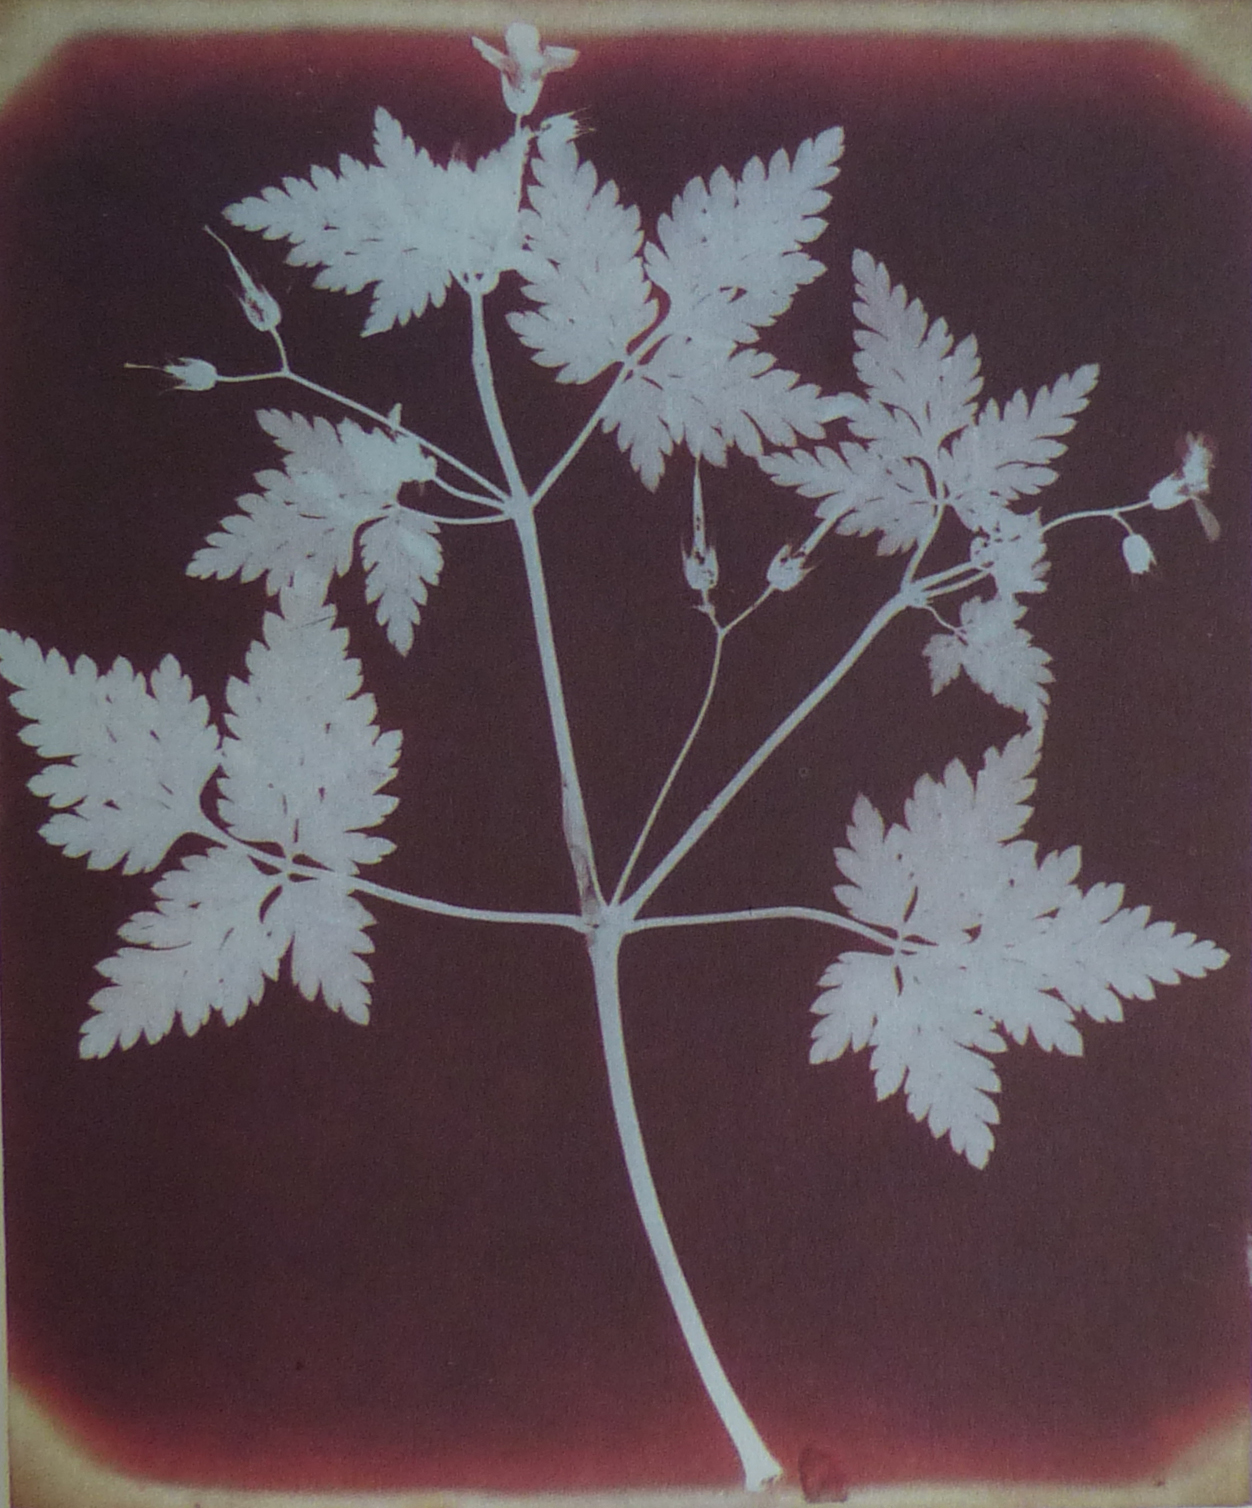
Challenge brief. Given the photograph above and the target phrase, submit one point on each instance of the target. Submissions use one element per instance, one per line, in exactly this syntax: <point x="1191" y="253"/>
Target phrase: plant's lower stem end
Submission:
<point x="762" y="1473"/>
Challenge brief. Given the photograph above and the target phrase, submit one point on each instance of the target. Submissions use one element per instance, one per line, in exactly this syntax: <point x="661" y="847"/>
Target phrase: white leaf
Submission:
<point x="710" y="397"/>
<point x="129" y="762"/>
<point x="301" y="529"/>
<point x="730" y="262"/>
<point x="325" y="926"/>
<point x="305" y="760"/>
<point x="402" y="558"/>
<point x="919" y="445"/>
<point x="1013" y="550"/>
<point x="205" y="948"/>
<point x="980" y="937"/>
<point x="581" y="262"/>
<point x="996" y="653"/>
<point x="869" y="490"/>
<point x="730" y="258"/>
<point x="920" y="389"/>
<point x="222" y="925"/>
<point x="1008" y="453"/>
<point x="405" y="225"/>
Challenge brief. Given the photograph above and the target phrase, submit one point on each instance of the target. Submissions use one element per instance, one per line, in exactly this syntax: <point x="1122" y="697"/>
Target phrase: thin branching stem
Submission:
<point x="628" y="367"/>
<point x="767" y="914"/>
<point x="1113" y="513"/>
<point x="564" y="919"/>
<point x="679" y="760"/>
<point x="580" y="439"/>
<point x="402" y="429"/>
<point x="479" y="518"/>
<point x="885" y="614"/>
<point x="574" y="821"/>
<point x="285" y="374"/>
<point x="743" y="617"/>
<point x="923" y="544"/>
<point x="723" y="632"/>
<point x="935" y="587"/>
<point x="355" y="882"/>
<point x="469" y="497"/>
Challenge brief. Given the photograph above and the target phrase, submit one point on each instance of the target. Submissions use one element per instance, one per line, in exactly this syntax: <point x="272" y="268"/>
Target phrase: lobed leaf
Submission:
<point x="129" y="755"/>
<point x="205" y="948"/>
<point x="403" y="225"/>
<point x="582" y="266"/>
<point x="300" y="531"/>
<point x="304" y="761"/>
<point x="729" y="262"/>
<point x="981" y="938"/>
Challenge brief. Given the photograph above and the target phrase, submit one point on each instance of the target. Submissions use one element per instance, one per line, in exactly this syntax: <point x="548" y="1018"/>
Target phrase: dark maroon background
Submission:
<point x="297" y="1252"/>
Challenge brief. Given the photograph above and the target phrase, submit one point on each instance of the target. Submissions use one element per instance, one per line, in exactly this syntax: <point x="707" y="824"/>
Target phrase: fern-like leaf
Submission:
<point x="581" y="262"/>
<point x="130" y="756"/>
<point x="996" y="653"/>
<point x="730" y="258"/>
<point x="302" y="768"/>
<point x="919" y="443"/>
<point x="402" y="559"/>
<point x="982" y="940"/>
<point x="324" y="924"/>
<point x="730" y="261"/>
<point x="404" y="224"/>
<point x="301" y="529"/>
<point x="205" y="948"/>
<point x="920" y="387"/>
<point x="1007" y="453"/>
<point x="305" y="762"/>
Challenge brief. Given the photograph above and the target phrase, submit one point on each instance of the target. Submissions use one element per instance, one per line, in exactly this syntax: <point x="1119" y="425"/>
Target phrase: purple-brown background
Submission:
<point x="297" y="1252"/>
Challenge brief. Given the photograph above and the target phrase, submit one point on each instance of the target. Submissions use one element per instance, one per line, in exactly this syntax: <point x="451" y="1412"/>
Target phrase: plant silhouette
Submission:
<point x="962" y="934"/>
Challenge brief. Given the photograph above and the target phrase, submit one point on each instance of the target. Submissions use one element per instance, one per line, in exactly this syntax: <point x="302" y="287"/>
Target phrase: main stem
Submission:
<point x="759" y="1466"/>
<point x="604" y="943"/>
<point x="574" y="822"/>
<point x="606" y="928"/>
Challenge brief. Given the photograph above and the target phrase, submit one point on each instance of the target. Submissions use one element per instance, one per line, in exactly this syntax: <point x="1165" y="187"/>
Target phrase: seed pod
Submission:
<point x="786" y="570"/>
<point x="191" y="374"/>
<point x="262" y="308"/>
<point x="701" y="570"/>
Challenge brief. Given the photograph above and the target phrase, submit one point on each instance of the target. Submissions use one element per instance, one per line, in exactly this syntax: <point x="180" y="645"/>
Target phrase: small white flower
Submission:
<point x="1197" y="463"/>
<point x="1137" y="553"/>
<point x="191" y="374"/>
<point x="1190" y="484"/>
<point x="524" y="65"/>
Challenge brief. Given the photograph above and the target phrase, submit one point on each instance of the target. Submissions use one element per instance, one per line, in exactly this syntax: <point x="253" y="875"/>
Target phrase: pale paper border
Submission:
<point x="49" y="1468"/>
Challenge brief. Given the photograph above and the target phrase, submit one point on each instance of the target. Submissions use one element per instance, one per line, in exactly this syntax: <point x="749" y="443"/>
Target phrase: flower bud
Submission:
<point x="1169" y="492"/>
<point x="787" y="570"/>
<point x="1137" y="553"/>
<point x="191" y="374"/>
